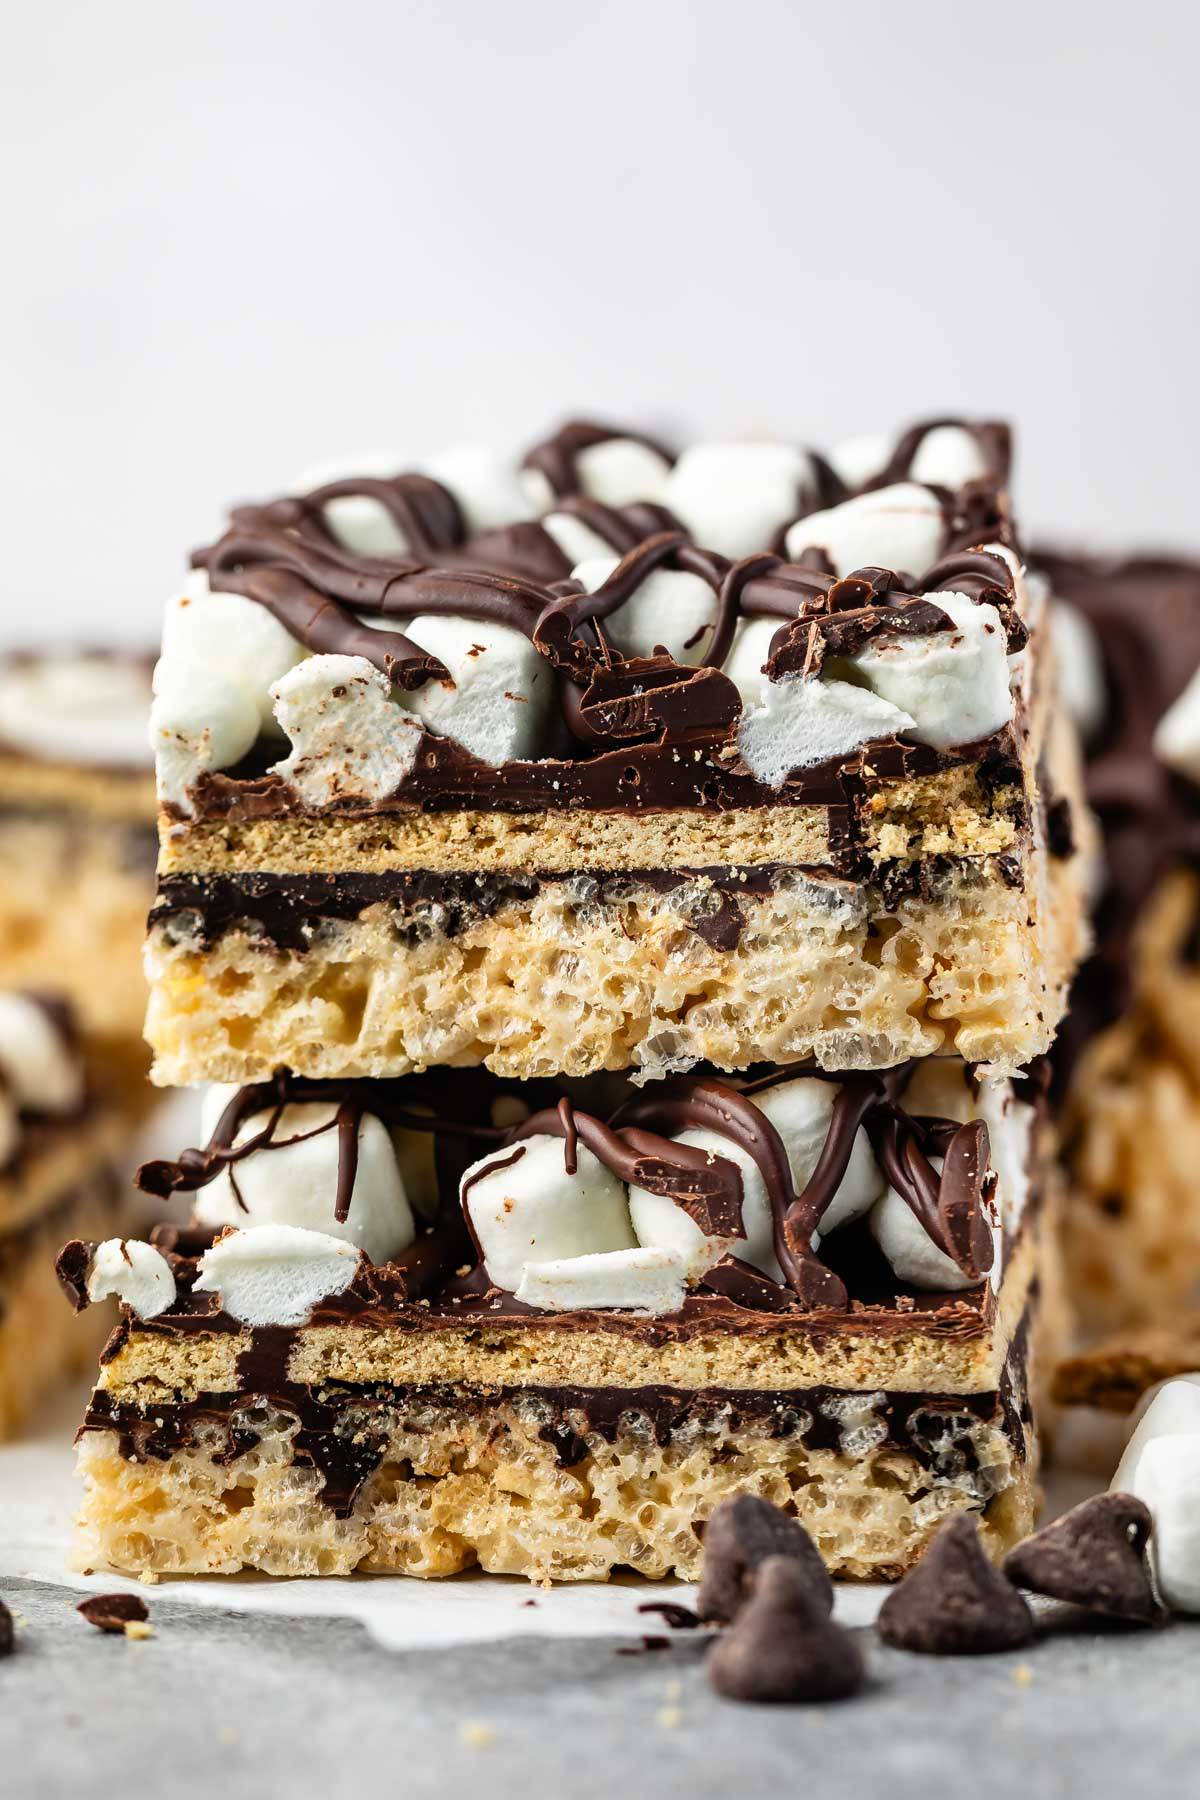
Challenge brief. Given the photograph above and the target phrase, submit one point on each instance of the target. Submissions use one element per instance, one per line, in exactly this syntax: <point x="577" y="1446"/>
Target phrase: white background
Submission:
<point x="238" y="238"/>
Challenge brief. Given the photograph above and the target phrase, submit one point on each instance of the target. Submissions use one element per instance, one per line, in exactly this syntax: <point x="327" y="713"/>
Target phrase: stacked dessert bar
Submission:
<point x="618" y="897"/>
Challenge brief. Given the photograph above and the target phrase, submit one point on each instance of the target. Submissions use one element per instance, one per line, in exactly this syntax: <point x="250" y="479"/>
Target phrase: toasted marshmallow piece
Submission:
<point x="487" y="487"/>
<point x="857" y="460"/>
<point x="41" y="1070"/>
<point x="669" y="607"/>
<point x="649" y="1281"/>
<point x="898" y="527"/>
<point x="349" y="737"/>
<point x="914" y="1256"/>
<point x="532" y="1211"/>
<point x="801" y="1111"/>
<point x="498" y="695"/>
<point x="296" y="1183"/>
<point x="1079" y="664"/>
<point x="955" y="684"/>
<point x="804" y="720"/>
<point x="135" y="1273"/>
<point x="1168" y="1409"/>
<point x="276" y="1274"/>
<point x="617" y="471"/>
<point x="1167" y="1478"/>
<point x="198" y="722"/>
<point x="735" y="497"/>
<point x="949" y="457"/>
<point x="748" y="653"/>
<point x="80" y="709"/>
<point x="227" y="635"/>
<point x="662" y="1225"/>
<point x="1177" y="738"/>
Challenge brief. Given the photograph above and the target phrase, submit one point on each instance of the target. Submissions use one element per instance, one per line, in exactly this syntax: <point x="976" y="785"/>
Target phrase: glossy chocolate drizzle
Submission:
<point x="636" y="1142"/>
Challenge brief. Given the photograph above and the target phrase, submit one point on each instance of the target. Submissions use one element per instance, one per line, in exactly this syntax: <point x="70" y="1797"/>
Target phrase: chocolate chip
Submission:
<point x="741" y="1534"/>
<point x="8" y="1642"/>
<point x="954" y="1603"/>
<point x="113" y="1612"/>
<point x="783" y="1645"/>
<point x="1094" y="1556"/>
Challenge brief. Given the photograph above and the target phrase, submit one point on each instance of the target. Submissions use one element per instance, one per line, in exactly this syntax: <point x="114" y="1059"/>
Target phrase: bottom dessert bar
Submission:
<point x="838" y="1294"/>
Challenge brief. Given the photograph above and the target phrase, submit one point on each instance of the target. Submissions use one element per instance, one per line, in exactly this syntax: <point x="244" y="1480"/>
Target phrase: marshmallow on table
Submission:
<point x="953" y="683"/>
<point x="41" y="1070"/>
<point x="1169" y="1409"/>
<point x="801" y="1111"/>
<point x="496" y="701"/>
<point x="733" y="498"/>
<point x="900" y="527"/>
<point x="1167" y="1478"/>
<point x="276" y="1274"/>
<point x="135" y="1273"/>
<point x="294" y="1182"/>
<point x="810" y="719"/>
<point x="1079" y="664"/>
<point x="1177" y="738"/>
<point x="79" y="709"/>
<point x="349" y="737"/>
<point x="530" y="1210"/>
<point x="668" y="607"/>
<point x="617" y="471"/>
<point x="662" y="1225"/>
<point x="643" y="1280"/>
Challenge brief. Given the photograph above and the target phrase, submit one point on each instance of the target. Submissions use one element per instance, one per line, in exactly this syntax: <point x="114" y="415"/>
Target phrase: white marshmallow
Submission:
<point x="955" y="684"/>
<point x="296" y="1184"/>
<point x="661" y="1224"/>
<point x="748" y="655"/>
<point x="77" y="709"/>
<point x="1168" y="1409"/>
<point x="898" y="527"/>
<point x="227" y="635"/>
<point x="498" y="695"/>
<point x="43" y="1072"/>
<point x="199" y="722"/>
<point x="135" y="1273"/>
<point x="733" y="498"/>
<point x="349" y="738"/>
<point x="805" y="720"/>
<point x="669" y="607"/>
<point x="276" y="1274"/>
<point x="1080" y="667"/>
<point x="358" y="521"/>
<point x="949" y="457"/>
<point x="857" y="460"/>
<point x="576" y="540"/>
<point x="1177" y="737"/>
<point x="488" y="488"/>
<point x="1010" y="1128"/>
<point x="801" y="1111"/>
<point x="914" y="1256"/>
<point x="1167" y="1478"/>
<point x="649" y="1281"/>
<point x="533" y="1211"/>
<point x="616" y="472"/>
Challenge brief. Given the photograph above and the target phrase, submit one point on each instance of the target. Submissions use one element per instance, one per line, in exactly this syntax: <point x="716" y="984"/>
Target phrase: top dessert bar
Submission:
<point x="616" y="759"/>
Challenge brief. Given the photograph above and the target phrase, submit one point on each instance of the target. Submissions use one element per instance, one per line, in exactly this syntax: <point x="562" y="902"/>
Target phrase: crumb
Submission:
<point x="529" y="1603"/>
<point x="149" y="1578"/>
<point x="669" y="1717"/>
<point x="227" y="1735"/>
<point x="673" y="1690"/>
<point x="476" y="1736"/>
<point x="1022" y="1675"/>
<point x="138" y="1628"/>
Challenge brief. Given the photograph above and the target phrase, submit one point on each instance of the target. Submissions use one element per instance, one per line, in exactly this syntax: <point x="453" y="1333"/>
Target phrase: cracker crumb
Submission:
<point x="669" y="1717"/>
<point x="673" y="1690"/>
<point x="138" y="1628"/>
<point x="476" y="1736"/>
<point x="227" y="1735"/>
<point x="1022" y="1675"/>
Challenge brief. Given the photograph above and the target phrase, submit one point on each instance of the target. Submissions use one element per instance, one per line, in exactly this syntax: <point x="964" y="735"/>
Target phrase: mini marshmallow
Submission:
<point x="914" y="1256"/>
<point x="1168" y="1409"/>
<point x="857" y="460"/>
<point x="808" y="719"/>
<point x="488" y="489"/>
<point x="227" y="635"/>
<point x="900" y="527"/>
<point x="199" y="722"/>
<point x="135" y="1273"/>
<point x="42" y="1071"/>
<point x="296" y="1183"/>
<point x="648" y="1281"/>
<point x="954" y="684"/>
<point x="662" y="1225"/>
<point x="668" y="607"/>
<point x="349" y="738"/>
<point x="733" y="498"/>
<point x="80" y="709"/>
<point x="496" y="701"/>
<point x="276" y="1274"/>
<point x="801" y="1111"/>
<point x="1167" y="1478"/>
<point x="1079" y="664"/>
<point x="617" y="471"/>
<point x="358" y="521"/>
<point x="748" y="653"/>
<point x="531" y="1210"/>
<point x="577" y="541"/>
<point x="1010" y="1129"/>
<point x="1177" y="737"/>
<point x="949" y="457"/>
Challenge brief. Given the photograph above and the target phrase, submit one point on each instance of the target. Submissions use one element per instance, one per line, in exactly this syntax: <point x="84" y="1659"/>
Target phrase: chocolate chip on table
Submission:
<point x="113" y="1612"/>
<point x="1095" y="1557"/>
<point x="783" y="1646"/>
<point x="742" y="1534"/>
<point x="8" y="1642"/>
<point x="955" y="1603"/>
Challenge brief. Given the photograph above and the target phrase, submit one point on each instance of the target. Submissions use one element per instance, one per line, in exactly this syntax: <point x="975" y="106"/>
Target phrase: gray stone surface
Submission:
<point x="220" y="1704"/>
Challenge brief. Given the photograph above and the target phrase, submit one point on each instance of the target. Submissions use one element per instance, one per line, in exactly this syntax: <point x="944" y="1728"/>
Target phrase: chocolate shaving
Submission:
<point x="73" y="1267"/>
